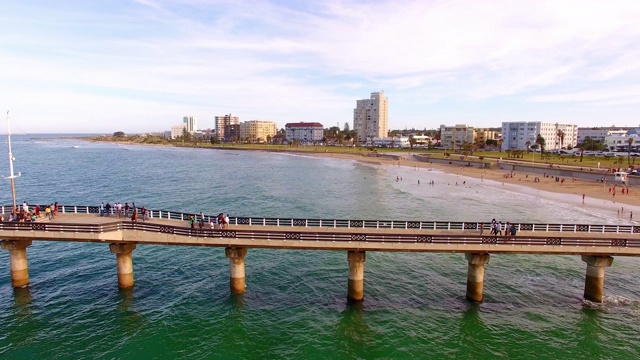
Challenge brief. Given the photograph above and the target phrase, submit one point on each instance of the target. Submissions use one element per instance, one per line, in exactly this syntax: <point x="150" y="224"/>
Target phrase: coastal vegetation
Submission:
<point x="464" y="152"/>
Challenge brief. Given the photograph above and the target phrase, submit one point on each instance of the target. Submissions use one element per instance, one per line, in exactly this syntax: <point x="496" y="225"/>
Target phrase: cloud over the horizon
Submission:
<point x="144" y="64"/>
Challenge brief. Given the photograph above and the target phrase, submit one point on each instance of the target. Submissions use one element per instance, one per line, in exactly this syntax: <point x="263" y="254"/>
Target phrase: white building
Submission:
<point x="371" y="118"/>
<point x="396" y="141"/>
<point x="452" y="137"/>
<point x="191" y="123"/>
<point x="422" y="140"/>
<point x="305" y="132"/>
<point x="598" y="134"/>
<point x="515" y="135"/>
<point x="177" y="130"/>
<point x="620" y="142"/>
<point x="221" y="125"/>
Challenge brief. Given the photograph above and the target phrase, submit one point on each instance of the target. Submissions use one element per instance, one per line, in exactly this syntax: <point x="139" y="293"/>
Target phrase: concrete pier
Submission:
<point x="124" y="257"/>
<point x="356" y="275"/>
<point x="18" y="261"/>
<point x="594" y="280"/>
<point x="475" y="275"/>
<point x="236" y="269"/>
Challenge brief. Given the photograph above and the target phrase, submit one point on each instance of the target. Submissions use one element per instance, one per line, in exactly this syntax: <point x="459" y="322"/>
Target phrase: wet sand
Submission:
<point x="596" y="194"/>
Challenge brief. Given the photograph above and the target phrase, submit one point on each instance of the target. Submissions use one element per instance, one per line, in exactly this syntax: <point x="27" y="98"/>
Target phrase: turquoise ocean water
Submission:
<point x="295" y="305"/>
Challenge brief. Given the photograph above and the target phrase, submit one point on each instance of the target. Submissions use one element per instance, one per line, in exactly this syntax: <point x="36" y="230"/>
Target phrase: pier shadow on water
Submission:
<point x="126" y="299"/>
<point x="22" y="297"/>
<point x="355" y="331"/>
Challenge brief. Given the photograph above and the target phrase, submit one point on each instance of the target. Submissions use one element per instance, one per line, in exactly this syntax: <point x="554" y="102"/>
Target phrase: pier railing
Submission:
<point x="308" y="235"/>
<point x="360" y="224"/>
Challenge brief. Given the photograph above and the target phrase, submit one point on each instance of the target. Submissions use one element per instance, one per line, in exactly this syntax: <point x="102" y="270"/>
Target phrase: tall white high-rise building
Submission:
<point x="191" y="123"/>
<point x="222" y="122"/>
<point x="516" y="135"/>
<point x="371" y="117"/>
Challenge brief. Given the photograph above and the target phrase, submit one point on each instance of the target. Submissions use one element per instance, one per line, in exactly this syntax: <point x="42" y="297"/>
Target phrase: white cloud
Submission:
<point x="162" y="60"/>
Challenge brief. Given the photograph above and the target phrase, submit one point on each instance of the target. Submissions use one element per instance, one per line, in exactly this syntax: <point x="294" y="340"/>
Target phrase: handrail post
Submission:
<point x="264" y="222"/>
<point x="75" y="209"/>
<point x="278" y="222"/>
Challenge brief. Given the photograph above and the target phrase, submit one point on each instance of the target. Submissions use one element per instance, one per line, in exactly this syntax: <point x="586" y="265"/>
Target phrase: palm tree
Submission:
<point x="630" y="141"/>
<point x="541" y="142"/>
<point x="561" y="135"/>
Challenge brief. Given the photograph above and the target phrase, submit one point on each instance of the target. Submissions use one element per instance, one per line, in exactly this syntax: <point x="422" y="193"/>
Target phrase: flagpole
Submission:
<point x="11" y="176"/>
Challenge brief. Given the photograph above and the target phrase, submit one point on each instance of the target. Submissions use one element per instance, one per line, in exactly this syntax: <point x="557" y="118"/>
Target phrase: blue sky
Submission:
<point x="137" y="66"/>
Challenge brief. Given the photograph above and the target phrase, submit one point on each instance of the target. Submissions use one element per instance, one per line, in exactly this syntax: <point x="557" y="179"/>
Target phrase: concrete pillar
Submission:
<point x="18" y="261"/>
<point x="356" y="275"/>
<point x="594" y="280"/>
<point x="475" y="275"/>
<point x="236" y="269"/>
<point x="124" y="259"/>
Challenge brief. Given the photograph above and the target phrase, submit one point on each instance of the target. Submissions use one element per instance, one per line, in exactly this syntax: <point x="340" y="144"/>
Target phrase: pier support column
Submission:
<point x="594" y="280"/>
<point x="236" y="269"/>
<point x="475" y="275"/>
<point x="356" y="275"/>
<point x="125" y="263"/>
<point x="18" y="261"/>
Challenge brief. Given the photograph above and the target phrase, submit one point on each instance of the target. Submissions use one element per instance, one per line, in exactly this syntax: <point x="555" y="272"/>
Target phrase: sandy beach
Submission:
<point x="596" y="194"/>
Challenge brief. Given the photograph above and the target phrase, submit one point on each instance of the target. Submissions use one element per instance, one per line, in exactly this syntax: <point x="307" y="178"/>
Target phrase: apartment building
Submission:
<point x="221" y="123"/>
<point x="452" y="137"/>
<point x="191" y="123"/>
<point x="304" y="131"/>
<point x="516" y="135"/>
<point x="482" y="135"/>
<point x="257" y="130"/>
<point x="371" y="118"/>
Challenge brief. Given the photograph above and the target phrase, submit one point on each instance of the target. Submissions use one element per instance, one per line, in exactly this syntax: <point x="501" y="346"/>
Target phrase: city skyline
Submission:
<point x="141" y="66"/>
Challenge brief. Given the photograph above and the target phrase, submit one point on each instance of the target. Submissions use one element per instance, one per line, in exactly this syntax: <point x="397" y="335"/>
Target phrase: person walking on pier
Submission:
<point x="126" y="209"/>
<point x="134" y="217"/>
<point x="102" y="209"/>
<point x="143" y="212"/>
<point x="108" y="208"/>
<point x="481" y="228"/>
<point x="55" y="209"/>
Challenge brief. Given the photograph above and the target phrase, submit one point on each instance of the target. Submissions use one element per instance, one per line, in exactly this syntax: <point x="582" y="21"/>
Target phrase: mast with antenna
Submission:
<point x="11" y="176"/>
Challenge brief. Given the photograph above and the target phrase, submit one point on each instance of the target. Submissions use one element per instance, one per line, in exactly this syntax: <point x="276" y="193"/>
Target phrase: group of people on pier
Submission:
<point x="31" y="213"/>
<point x="126" y="210"/>
<point x="497" y="228"/>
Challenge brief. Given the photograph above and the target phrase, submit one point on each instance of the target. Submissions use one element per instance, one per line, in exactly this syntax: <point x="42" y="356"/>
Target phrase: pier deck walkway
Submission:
<point x="595" y="243"/>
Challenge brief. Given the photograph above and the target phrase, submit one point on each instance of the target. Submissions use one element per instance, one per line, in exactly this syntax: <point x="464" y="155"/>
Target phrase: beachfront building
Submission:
<point x="600" y="133"/>
<point x="257" y="131"/>
<point x="191" y="123"/>
<point x="521" y="135"/>
<point x="304" y="132"/>
<point x="232" y="132"/>
<point x="453" y="137"/>
<point x="371" y="117"/>
<point x="389" y="142"/>
<point x="422" y="140"/>
<point x="222" y="122"/>
<point x="484" y="134"/>
<point x="177" y="131"/>
<point x="620" y="142"/>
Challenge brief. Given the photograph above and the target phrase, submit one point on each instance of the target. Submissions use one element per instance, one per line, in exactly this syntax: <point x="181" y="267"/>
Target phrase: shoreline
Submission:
<point x="595" y="194"/>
